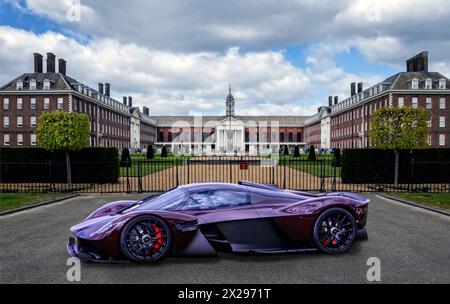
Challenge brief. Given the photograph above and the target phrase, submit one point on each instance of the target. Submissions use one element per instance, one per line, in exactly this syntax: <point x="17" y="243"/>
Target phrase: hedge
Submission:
<point x="37" y="165"/>
<point x="378" y="166"/>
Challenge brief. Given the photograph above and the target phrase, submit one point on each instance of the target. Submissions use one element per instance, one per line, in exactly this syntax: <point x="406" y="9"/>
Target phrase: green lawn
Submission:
<point x="440" y="200"/>
<point x="15" y="200"/>
<point x="311" y="167"/>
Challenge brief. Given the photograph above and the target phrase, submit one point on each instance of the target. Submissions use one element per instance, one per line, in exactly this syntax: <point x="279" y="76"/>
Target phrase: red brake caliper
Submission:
<point x="158" y="236"/>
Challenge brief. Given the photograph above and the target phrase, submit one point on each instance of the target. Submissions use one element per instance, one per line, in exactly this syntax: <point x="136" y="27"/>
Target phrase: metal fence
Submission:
<point x="161" y="174"/>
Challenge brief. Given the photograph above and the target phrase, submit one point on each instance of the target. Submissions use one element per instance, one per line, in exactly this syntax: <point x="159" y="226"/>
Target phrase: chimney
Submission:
<point x="125" y="100"/>
<point x="336" y="99"/>
<point x="145" y="110"/>
<point x="130" y="101"/>
<point x="330" y="101"/>
<point x="360" y="87"/>
<point x="352" y="88"/>
<point x="418" y="63"/>
<point x="100" y="88"/>
<point x="107" y="89"/>
<point x="50" y="63"/>
<point x="62" y="66"/>
<point x="37" y="63"/>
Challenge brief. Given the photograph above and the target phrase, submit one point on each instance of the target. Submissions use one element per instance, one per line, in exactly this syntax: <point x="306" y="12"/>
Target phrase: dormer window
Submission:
<point x="33" y="84"/>
<point x="414" y="84"/>
<point x="428" y="84"/>
<point x="46" y="84"/>
<point x="442" y="84"/>
<point x="380" y="88"/>
<point x="19" y="85"/>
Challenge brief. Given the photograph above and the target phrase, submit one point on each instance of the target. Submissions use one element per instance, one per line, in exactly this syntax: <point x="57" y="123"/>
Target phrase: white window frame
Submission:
<point x="46" y="103"/>
<point x="33" y="84"/>
<point x="19" y="103"/>
<point x="6" y="139"/>
<point x="401" y="102"/>
<point x="429" y="123"/>
<point x="429" y="102"/>
<point x="60" y="103"/>
<point x="19" y="139"/>
<point x="19" y="118"/>
<point x="33" y="121"/>
<point x="33" y="140"/>
<point x="415" y="84"/>
<point x="5" y="103"/>
<point x="46" y="84"/>
<point x="19" y="85"/>
<point x="441" y="121"/>
<point x="429" y="139"/>
<point x="428" y="84"/>
<point x="33" y="103"/>
<point x="415" y="102"/>
<point x="442" y="84"/>
<point x="6" y="119"/>
<point x="441" y="139"/>
<point x="442" y="103"/>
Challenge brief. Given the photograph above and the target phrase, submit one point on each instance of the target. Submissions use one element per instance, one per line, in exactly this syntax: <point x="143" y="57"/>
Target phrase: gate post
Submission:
<point x="322" y="176"/>
<point x="284" y="173"/>
<point x="128" y="181"/>
<point x="176" y="171"/>
<point x="139" y="177"/>
<point x="396" y="168"/>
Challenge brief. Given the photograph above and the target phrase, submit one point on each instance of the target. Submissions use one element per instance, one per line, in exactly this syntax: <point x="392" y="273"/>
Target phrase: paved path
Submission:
<point x="413" y="246"/>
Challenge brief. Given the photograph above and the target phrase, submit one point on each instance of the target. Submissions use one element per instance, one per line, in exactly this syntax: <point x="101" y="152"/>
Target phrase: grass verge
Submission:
<point x="439" y="200"/>
<point x="10" y="201"/>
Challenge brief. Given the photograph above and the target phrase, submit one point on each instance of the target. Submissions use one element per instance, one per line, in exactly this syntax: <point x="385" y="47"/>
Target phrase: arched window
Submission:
<point x="299" y="137"/>
<point x="169" y="137"/>
<point x="290" y="137"/>
<point x="161" y="136"/>
<point x="281" y="136"/>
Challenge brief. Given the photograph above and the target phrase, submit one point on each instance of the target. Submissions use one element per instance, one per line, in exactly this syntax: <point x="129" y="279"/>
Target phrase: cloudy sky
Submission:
<point x="178" y="56"/>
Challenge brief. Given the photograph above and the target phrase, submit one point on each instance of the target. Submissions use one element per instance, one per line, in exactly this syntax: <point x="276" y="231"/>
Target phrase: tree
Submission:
<point x="296" y="152"/>
<point x="150" y="152"/>
<point x="125" y="158"/>
<point x="63" y="131"/>
<point x="312" y="153"/>
<point x="164" y="151"/>
<point x="286" y="150"/>
<point x="399" y="128"/>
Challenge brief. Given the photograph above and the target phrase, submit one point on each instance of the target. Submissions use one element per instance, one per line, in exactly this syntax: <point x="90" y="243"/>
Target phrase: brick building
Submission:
<point x="417" y="87"/>
<point x="26" y="97"/>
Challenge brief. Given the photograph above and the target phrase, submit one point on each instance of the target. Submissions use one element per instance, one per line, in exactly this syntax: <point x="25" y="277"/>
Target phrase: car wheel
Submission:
<point x="146" y="239"/>
<point x="334" y="231"/>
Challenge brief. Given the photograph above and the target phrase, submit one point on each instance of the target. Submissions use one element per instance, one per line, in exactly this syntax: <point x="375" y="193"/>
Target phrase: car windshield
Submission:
<point x="170" y="200"/>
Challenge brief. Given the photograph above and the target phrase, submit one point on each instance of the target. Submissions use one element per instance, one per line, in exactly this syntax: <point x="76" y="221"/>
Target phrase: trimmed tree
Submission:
<point x="63" y="131"/>
<point x="337" y="157"/>
<point x="399" y="128"/>
<point x="286" y="150"/>
<point x="312" y="153"/>
<point x="150" y="152"/>
<point x="296" y="152"/>
<point x="164" y="151"/>
<point x="125" y="158"/>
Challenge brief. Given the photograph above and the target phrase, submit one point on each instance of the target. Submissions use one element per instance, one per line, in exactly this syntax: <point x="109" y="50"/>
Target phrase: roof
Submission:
<point x="58" y="81"/>
<point x="402" y="80"/>
<point x="283" y="120"/>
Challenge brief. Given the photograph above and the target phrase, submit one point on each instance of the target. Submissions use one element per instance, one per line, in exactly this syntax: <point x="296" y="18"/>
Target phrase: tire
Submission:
<point x="146" y="238"/>
<point x="334" y="231"/>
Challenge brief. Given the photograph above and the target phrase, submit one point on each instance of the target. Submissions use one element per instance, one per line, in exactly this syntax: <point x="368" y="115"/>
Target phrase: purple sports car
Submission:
<point x="201" y="219"/>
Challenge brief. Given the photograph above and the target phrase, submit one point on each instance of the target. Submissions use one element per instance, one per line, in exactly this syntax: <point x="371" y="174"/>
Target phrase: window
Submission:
<point x="414" y="84"/>
<point x="442" y="103"/>
<point x="281" y="137"/>
<point x="429" y="104"/>
<point x="401" y="102"/>
<point x="5" y="103"/>
<point x="33" y="121"/>
<point x="46" y="84"/>
<point x="5" y="122"/>
<point x="19" y="121"/>
<point x="429" y="139"/>
<point x="171" y="200"/>
<point x="441" y="139"/>
<point x="415" y="102"/>
<point x="428" y="84"/>
<point x="290" y="137"/>
<point x="429" y="124"/>
<point x="60" y="103"/>
<point x="299" y="136"/>
<point x="441" y="121"/>
<point x="19" y="139"/>
<point x="19" y="85"/>
<point x="33" y="104"/>
<point x="46" y="103"/>
<point x="215" y="199"/>
<point x="33" y="84"/>
<point x="19" y="103"/>
<point x="33" y="139"/>
<point x="6" y="139"/>
<point x="442" y="84"/>
<point x="161" y="136"/>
